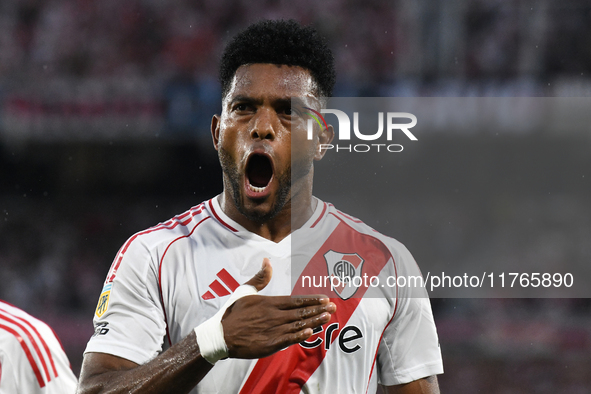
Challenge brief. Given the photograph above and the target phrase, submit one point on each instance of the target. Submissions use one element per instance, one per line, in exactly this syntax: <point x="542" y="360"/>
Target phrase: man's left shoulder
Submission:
<point x="363" y="230"/>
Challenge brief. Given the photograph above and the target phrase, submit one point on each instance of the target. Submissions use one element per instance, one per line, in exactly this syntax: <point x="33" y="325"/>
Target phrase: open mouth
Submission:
<point x="259" y="173"/>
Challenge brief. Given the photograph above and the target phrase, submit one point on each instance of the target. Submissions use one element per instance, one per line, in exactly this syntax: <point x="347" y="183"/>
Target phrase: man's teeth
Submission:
<point x="256" y="189"/>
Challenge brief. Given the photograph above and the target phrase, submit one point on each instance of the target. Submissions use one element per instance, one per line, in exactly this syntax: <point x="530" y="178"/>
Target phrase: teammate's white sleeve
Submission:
<point x="409" y="349"/>
<point x="8" y="379"/>
<point x="32" y="360"/>
<point x="129" y="320"/>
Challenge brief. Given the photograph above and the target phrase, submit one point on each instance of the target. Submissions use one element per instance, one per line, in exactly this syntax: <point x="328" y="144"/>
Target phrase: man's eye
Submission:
<point x="241" y="107"/>
<point x="286" y="111"/>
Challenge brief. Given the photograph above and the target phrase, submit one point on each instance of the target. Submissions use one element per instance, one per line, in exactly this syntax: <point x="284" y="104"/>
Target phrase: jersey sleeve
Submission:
<point x="409" y="349"/>
<point x="129" y="320"/>
<point x="8" y="379"/>
<point x="65" y="382"/>
<point x="34" y="362"/>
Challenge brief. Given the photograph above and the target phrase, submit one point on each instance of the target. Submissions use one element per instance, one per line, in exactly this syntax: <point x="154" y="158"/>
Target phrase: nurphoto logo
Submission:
<point x="393" y="125"/>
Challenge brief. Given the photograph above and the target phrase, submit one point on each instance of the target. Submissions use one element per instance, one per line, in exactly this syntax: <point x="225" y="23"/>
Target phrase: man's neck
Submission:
<point x="292" y="216"/>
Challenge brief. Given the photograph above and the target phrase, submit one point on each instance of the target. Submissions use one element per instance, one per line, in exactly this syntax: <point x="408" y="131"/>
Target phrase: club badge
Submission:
<point x="346" y="267"/>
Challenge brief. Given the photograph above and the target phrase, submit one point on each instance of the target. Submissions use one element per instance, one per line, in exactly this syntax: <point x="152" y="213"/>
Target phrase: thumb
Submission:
<point x="263" y="277"/>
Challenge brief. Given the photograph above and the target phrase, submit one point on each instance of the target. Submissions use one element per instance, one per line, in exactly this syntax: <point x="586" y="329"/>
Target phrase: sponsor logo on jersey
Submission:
<point x="101" y="329"/>
<point x="346" y="267"/>
<point x="347" y="339"/>
<point x="103" y="302"/>
<point x="223" y="287"/>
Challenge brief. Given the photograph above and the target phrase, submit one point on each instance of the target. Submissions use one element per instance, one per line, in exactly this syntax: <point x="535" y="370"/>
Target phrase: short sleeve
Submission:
<point x="129" y="320"/>
<point x="65" y="382"/>
<point x="8" y="380"/>
<point x="34" y="362"/>
<point x="409" y="349"/>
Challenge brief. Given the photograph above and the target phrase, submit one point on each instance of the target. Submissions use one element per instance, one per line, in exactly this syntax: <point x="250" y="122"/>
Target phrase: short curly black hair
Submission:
<point x="280" y="42"/>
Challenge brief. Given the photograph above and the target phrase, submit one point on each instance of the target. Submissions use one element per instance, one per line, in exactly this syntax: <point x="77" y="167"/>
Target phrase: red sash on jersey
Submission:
<point x="288" y="370"/>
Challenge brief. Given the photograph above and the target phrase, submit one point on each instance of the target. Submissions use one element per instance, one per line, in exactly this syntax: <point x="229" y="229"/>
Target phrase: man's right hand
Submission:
<point x="254" y="326"/>
<point x="257" y="326"/>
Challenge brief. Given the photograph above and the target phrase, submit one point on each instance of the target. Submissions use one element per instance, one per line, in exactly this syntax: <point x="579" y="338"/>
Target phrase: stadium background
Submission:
<point x="104" y="131"/>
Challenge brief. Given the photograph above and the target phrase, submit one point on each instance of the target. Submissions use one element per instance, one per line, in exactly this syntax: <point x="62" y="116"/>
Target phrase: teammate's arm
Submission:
<point x="254" y="327"/>
<point x="426" y="385"/>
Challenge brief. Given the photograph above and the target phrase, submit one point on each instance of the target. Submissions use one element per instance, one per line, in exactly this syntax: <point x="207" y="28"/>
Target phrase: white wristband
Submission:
<point x="210" y="334"/>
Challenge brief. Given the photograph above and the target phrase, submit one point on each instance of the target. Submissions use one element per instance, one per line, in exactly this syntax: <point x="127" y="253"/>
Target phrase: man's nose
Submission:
<point x="264" y="125"/>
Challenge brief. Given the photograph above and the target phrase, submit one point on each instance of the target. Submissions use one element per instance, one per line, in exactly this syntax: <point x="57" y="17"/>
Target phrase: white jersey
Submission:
<point x="31" y="357"/>
<point x="172" y="277"/>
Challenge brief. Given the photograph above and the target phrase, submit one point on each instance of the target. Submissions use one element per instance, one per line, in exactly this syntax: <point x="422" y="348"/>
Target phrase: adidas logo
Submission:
<point x="218" y="288"/>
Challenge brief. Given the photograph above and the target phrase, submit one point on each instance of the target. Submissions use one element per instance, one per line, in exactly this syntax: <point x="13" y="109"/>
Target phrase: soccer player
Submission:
<point x="173" y="317"/>
<point x="32" y="360"/>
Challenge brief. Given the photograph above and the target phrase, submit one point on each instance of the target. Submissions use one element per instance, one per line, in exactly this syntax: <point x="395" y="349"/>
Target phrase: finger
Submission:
<point x="312" y="322"/>
<point x="263" y="277"/>
<point x="290" y="302"/>
<point x="302" y="330"/>
<point x="303" y="314"/>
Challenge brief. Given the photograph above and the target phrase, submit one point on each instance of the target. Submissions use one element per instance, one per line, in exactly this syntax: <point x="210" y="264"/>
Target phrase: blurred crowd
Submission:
<point x="375" y="42"/>
<point x="145" y="67"/>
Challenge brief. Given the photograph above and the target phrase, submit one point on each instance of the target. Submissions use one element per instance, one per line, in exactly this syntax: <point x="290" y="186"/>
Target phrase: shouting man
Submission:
<point x="172" y="316"/>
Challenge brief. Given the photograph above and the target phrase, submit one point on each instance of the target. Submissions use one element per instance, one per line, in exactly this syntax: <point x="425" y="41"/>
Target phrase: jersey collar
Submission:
<point x="214" y="208"/>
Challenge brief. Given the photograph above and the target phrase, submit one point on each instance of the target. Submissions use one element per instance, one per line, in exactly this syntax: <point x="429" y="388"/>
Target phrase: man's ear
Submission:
<point x="215" y="130"/>
<point x="325" y="137"/>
